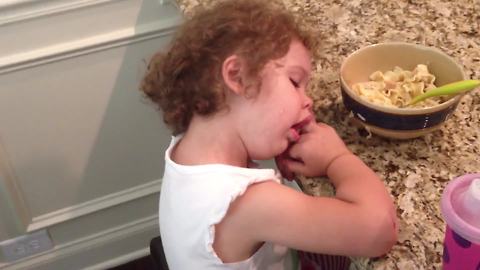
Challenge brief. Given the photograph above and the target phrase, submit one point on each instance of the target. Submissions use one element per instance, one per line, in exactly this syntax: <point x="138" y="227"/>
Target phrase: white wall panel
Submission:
<point x="78" y="143"/>
<point x="77" y="129"/>
<point x="39" y="24"/>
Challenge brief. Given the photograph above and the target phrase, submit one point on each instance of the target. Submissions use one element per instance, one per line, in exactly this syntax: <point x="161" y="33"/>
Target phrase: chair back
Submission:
<point x="157" y="253"/>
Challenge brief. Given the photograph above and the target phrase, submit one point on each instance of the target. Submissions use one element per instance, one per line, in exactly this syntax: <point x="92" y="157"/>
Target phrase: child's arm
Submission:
<point x="359" y="221"/>
<point x="321" y="152"/>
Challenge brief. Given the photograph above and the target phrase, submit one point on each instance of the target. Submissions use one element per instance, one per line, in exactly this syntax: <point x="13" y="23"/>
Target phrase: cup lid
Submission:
<point x="454" y="221"/>
<point x="474" y="191"/>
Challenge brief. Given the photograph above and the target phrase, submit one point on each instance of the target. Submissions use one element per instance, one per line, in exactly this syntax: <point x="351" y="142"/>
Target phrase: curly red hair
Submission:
<point x="187" y="79"/>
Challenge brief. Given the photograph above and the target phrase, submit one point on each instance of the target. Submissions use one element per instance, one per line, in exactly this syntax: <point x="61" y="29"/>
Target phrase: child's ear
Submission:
<point x="232" y="73"/>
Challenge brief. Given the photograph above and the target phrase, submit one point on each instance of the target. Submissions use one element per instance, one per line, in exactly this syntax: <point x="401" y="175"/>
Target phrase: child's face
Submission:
<point x="280" y="104"/>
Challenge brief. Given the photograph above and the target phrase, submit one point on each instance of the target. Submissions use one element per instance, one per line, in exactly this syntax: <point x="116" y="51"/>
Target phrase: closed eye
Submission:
<point x="294" y="83"/>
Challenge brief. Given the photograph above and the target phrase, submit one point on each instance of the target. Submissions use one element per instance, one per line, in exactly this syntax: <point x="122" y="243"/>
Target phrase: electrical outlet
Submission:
<point x="25" y="246"/>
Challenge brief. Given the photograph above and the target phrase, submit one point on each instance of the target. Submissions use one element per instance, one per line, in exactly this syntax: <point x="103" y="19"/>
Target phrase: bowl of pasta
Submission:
<point x="379" y="81"/>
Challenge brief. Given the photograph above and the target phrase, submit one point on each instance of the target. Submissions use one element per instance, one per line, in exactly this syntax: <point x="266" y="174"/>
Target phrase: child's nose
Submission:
<point x="307" y="102"/>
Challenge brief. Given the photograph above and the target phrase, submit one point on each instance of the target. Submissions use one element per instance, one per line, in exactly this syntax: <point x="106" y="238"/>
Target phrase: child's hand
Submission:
<point x="318" y="146"/>
<point x="281" y="161"/>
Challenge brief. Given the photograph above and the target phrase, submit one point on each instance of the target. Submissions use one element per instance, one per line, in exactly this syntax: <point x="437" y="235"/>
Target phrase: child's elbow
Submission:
<point x="384" y="234"/>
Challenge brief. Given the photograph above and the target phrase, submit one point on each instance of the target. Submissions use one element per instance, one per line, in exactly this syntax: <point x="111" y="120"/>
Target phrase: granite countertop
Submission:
<point x="415" y="171"/>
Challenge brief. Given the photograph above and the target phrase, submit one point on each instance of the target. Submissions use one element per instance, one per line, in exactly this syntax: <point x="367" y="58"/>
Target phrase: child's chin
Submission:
<point x="283" y="153"/>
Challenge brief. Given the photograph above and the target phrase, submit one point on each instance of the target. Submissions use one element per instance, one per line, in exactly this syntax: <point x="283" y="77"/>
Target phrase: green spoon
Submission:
<point x="448" y="89"/>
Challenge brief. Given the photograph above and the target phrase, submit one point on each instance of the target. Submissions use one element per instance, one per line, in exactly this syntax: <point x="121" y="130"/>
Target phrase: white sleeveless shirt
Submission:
<point x="193" y="200"/>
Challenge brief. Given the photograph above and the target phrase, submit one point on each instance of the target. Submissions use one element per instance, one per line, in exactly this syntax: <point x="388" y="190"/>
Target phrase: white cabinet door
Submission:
<point x="81" y="150"/>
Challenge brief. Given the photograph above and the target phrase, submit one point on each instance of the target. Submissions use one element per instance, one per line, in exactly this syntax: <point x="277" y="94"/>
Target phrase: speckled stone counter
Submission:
<point x="415" y="171"/>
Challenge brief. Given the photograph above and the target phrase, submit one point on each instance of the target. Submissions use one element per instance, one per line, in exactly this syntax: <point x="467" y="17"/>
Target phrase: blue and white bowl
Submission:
<point x="398" y="123"/>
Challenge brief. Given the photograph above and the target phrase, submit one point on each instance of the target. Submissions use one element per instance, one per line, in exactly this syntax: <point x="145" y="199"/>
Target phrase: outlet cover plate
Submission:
<point x="25" y="246"/>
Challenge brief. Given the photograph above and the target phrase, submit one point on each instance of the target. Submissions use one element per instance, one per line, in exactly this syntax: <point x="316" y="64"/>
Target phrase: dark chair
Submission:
<point x="156" y="251"/>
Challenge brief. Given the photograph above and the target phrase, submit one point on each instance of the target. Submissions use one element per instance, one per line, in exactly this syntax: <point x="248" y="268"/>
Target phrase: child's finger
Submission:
<point x="280" y="161"/>
<point x="294" y="166"/>
<point x="295" y="151"/>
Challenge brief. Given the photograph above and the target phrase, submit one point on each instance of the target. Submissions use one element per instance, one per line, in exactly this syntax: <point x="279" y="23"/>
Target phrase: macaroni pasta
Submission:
<point x="396" y="88"/>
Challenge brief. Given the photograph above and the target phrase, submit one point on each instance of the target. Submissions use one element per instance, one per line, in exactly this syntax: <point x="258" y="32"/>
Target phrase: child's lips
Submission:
<point x="296" y="130"/>
<point x="299" y="126"/>
<point x="293" y="135"/>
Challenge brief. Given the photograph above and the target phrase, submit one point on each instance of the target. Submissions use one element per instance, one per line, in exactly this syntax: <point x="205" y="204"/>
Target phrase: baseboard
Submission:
<point x="100" y="251"/>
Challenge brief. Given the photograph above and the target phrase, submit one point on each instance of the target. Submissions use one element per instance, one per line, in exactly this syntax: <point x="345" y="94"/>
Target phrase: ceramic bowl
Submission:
<point x="398" y="123"/>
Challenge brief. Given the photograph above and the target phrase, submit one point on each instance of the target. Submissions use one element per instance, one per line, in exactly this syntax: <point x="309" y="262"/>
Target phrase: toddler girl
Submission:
<point x="232" y="89"/>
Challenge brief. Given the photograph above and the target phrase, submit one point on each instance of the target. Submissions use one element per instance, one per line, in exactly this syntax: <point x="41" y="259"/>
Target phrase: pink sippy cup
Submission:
<point x="460" y="207"/>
